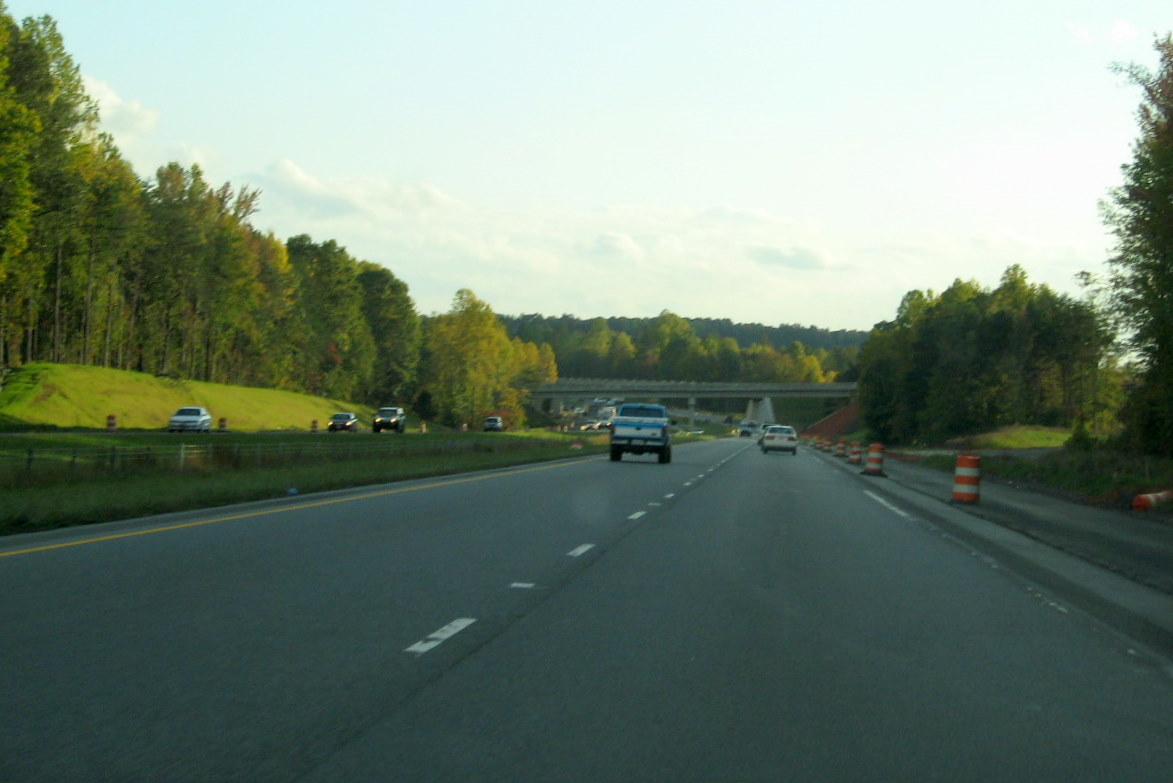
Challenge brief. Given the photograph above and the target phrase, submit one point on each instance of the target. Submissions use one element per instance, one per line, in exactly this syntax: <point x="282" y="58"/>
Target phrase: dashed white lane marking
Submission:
<point x="523" y="585"/>
<point x="637" y="515"/>
<point x="654" y="504"/>
<point x="580" y="550"/>
<point x="669" y="496"/>
<point x="688" y="483"/>
<point x="437" y="638"/>
<point x="886" y="504"/>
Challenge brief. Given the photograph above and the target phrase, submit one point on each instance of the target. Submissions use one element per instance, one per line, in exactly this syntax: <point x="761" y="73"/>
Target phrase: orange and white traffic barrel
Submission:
<point x="111" y="423"/>
<point x="314" y="425"/>
<point x="1148" y="501"/>
<point x="855" y="454"/>
<point x="875" y="463"/>
<point x="841" y="448"/>
<point x="967" y="478"/>
<point x="223" y="424"/>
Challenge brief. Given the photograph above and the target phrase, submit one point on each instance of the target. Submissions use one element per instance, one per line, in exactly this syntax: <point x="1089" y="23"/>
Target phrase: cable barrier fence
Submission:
<point x="49" y="466"/>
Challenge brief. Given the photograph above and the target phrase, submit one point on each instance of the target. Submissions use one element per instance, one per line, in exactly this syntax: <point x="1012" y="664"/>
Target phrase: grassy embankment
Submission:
<point x="57" y="396"/>
<point x="59" y="467"/>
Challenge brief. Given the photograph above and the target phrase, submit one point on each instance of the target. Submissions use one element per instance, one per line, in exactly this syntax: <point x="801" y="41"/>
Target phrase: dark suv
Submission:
<point x="393" y="419"/>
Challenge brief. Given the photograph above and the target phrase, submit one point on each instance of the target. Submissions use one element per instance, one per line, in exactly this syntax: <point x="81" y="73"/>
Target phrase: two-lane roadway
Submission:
<point x="729" y="616"/>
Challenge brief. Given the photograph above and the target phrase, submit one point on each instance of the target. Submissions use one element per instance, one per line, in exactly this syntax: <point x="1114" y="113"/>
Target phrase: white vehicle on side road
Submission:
<point x="190" y="420"/>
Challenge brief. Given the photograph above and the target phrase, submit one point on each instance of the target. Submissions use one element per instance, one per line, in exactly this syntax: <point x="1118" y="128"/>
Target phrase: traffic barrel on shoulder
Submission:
<point x="875" y="463"/>
<point x="967" y="478"/>
<point x="314" y="425"/>
<point x="111" y="423"/>
<point x="223" y="424"/>
<point x="1150" y="500"/>
<point x="855" y="454"/>
<point x="841" y="448"/>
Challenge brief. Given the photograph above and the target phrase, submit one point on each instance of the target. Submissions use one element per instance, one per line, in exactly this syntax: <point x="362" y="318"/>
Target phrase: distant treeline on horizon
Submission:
<point x="535" y="327"/>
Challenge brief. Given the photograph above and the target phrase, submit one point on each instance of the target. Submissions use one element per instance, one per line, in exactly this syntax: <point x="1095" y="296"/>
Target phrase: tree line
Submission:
<point x="972" y="359"/>
<point x="670" y="347"/>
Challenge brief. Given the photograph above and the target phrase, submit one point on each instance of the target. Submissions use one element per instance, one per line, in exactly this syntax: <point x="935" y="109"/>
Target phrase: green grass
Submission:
<point x="1017" y="437"/>
<point x="46" y="396"/>
<point x="57" y="495"/>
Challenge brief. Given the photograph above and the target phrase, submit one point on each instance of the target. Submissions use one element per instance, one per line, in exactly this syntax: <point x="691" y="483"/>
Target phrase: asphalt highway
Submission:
<point x="729" y="616"/>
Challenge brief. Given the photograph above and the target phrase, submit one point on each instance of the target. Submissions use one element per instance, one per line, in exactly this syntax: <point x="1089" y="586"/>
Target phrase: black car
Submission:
<point x="393" y="419"/>
<point x="343" y="422"/>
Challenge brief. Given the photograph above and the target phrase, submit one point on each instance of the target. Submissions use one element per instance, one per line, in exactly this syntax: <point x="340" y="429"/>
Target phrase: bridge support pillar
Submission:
<point x="760" y="410"/>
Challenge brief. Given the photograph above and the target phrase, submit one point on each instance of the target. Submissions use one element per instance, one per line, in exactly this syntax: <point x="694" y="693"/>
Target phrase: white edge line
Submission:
<point x="436" y="638"/>
<point x="886" y="504"/>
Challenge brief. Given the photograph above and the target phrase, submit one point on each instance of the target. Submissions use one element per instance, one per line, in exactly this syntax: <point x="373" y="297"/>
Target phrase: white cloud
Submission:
<point x="613" y="244"/>
<point x="637" y="260"/>
<point x="1123" y="31"/>
<point x="800" y="258"/>
<point x="124" y="119"/>
<point x="1079" y="33"/>
<point x="318" y="198"/>
<point x="1118" y="32"/>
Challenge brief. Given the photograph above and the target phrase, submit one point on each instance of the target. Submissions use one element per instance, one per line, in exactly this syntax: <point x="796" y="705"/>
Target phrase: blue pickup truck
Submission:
<point x="641" y="428"/>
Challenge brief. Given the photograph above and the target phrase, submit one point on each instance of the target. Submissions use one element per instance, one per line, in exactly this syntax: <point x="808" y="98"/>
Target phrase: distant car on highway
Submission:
<point x="393" y="419"/>
<point x="779" y="437"/>
<point x="190" y="420"/>
<point x="494" y="424"/>
<point x="343" y="422"/>
<point x="590" y="424"/>
<point x="747" y="429"/>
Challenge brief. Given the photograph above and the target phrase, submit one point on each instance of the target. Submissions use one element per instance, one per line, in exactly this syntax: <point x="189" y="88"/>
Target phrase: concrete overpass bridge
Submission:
<point x="757" y="395"/>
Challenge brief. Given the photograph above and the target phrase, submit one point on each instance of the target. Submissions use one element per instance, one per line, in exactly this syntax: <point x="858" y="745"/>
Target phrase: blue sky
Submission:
<point x="773" y="162"/>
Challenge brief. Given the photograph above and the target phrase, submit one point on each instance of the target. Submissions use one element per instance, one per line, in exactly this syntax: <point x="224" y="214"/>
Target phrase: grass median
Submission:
<point x="62" y="495"/>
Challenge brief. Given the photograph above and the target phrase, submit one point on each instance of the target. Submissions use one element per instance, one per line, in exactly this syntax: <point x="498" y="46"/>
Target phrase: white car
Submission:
<point x="779" y="437"/>
<point x="190" y="420"/>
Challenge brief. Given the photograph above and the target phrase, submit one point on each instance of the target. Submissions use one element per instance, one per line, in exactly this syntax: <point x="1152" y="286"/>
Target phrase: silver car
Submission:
<point x="190" y="420"/>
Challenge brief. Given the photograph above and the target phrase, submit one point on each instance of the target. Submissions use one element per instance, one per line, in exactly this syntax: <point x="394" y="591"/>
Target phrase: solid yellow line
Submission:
<point x="268" y="512"/>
